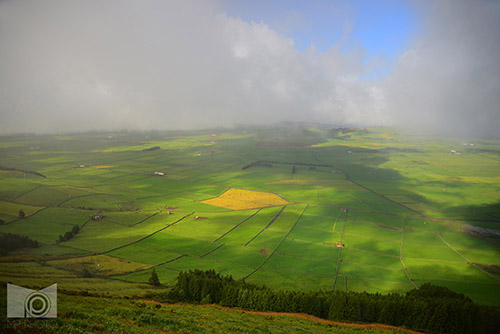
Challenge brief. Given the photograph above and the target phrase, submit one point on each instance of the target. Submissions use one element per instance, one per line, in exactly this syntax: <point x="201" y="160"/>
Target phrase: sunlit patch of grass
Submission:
<point x="12" y="209"/>
<point x="241" y="199"/>
<point x="99" y="264"/>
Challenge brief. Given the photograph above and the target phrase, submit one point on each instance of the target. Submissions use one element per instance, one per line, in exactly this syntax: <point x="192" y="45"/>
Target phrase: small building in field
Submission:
<point x="340" y="245"/>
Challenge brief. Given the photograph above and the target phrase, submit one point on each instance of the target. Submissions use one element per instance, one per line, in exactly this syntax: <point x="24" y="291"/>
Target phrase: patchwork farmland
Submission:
<point x="302" y="210"/>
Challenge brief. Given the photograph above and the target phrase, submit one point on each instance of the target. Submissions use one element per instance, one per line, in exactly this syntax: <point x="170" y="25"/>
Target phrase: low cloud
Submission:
<point x="448" y="81"/>
<point x="154" y="64"/>
<point x="81" y="65"/>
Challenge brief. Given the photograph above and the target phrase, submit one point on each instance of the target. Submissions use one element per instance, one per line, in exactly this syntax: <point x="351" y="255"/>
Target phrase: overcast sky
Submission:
<point x="107" y="65"/>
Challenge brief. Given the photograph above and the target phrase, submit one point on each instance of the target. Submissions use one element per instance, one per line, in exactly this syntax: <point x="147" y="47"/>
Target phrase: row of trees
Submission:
<point x="70" y="234"/>
<point x="430" y="308"/>
<point x="10" y="242"/>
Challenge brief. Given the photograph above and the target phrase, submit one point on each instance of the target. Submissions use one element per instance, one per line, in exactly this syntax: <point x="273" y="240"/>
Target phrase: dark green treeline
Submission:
<point x="10" y="242"/>
<point x="430" y="308"/>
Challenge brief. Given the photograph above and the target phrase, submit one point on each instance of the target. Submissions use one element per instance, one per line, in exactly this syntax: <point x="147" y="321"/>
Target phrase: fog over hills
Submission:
<point x="91" y="65"/>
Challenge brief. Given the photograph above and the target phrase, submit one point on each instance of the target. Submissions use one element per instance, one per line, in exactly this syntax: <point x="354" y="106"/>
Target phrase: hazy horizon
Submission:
<point x="155" y="65"/>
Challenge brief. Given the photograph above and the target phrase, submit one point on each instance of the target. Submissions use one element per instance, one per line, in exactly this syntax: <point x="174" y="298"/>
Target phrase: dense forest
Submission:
<point x="10" y="242"/>
<point x="430" y="308"/>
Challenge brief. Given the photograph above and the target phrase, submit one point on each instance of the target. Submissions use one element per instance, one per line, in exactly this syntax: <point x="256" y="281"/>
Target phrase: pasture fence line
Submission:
<point x="401" y="254"/>
<point x="147" y="236"/>
<point x="278" y="246"/>
<point x="244" y="220"/>
<point x="339" y="254"/>
<point x="465" y="258"/>
<point x="267" y="226"/>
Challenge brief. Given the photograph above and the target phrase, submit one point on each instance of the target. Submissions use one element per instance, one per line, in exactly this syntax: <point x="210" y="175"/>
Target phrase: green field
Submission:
<point x="397" y="204"/>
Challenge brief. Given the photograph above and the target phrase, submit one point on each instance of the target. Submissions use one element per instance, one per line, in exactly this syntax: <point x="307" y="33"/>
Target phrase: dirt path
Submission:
<point x="302" y="316"/>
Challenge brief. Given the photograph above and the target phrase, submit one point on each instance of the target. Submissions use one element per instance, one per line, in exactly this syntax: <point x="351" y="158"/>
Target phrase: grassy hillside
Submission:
<point x="268" y="205"/>
<point x="77" y="314"/>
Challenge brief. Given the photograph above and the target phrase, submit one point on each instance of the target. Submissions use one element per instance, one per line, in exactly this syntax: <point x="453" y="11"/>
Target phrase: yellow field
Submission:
<point x="98" y="264"/>
<point x="101" y="166"/>
<point x="240" y="199"/>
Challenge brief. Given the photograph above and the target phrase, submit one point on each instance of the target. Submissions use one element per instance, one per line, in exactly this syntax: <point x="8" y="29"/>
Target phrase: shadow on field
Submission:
<point x="463" y="278"/>
<point x="396" y="193"/>
<point x="362" y="166"/>
<point x="474" y="212"/>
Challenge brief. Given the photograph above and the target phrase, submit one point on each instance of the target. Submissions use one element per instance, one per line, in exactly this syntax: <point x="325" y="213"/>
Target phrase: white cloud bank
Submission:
<point x="449" y="80"/>
<point x="80" y="65"/>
